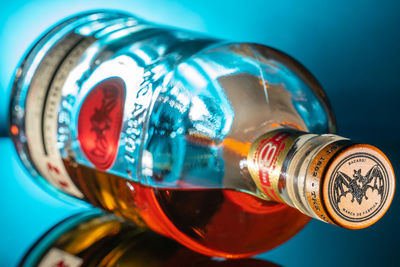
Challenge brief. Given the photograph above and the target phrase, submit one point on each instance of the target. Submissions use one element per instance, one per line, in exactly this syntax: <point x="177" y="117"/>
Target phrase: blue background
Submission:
<point x="352" y="47"/>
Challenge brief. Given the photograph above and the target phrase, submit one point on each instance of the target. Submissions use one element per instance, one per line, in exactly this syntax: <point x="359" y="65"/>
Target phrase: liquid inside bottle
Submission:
<point x="218" y="222"/>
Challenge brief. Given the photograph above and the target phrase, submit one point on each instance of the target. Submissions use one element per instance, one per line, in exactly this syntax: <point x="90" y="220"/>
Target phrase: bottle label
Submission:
<point x="59" y="258"/>
<point x="315" y="173"/>
<point x="42" y="105"/>
<point x="368" y="187"/>
<point x="358" y="186"/>
<point x="100" y="122"/>
<point x="265" y="160"/>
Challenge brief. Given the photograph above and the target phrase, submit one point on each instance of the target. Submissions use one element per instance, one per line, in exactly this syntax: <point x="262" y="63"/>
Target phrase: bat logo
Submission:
<point x="358" y="188"/>
<point x="358" y="185"/>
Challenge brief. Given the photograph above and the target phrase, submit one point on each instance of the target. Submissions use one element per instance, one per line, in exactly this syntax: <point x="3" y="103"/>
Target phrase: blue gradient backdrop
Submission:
<point x="352" y="47"/>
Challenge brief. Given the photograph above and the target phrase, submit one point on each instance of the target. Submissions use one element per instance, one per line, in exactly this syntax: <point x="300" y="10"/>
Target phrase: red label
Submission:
<point x="100" y="122"/>
<point x="265" y="158"/>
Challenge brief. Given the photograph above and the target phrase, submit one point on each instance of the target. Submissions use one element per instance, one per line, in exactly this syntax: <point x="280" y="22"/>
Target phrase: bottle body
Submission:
<point x="155" y="124"/>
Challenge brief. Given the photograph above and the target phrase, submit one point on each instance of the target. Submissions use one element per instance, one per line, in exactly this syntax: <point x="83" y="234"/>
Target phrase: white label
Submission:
<point x="59" y="258"/>
<point x="42" y="104"/>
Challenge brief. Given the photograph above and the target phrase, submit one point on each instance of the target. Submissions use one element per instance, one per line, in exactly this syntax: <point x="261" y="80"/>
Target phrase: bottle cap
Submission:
<point x="350" y="185"/>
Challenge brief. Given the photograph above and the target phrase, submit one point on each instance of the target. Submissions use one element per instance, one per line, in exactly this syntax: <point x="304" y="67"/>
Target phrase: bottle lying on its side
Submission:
<point x="222" y="146"/>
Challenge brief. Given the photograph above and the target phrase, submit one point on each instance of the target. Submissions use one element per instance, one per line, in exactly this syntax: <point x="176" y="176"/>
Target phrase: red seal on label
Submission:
<point x="100" y="122"/>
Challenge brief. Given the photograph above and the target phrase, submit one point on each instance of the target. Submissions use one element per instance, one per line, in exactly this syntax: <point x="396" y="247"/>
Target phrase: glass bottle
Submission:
<point x="203" y="140"/>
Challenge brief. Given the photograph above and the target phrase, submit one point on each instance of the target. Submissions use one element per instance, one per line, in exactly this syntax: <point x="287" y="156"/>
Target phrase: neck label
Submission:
<point x="265" y="161"/>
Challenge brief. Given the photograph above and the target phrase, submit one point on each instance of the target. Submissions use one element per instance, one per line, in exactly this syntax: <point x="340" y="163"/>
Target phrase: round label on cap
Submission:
<point x="359" y="186"/>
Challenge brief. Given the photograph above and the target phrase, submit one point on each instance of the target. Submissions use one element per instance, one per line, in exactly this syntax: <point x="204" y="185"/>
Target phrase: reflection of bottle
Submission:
<point x="95" y="239"/>
<point x="189" y="135"/>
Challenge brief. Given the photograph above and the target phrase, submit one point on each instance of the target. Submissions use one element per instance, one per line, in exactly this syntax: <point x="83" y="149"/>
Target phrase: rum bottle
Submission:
<point x="228" y="148"/>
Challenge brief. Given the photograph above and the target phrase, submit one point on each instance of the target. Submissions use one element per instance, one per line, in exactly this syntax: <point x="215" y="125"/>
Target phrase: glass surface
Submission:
<point x="96" y="239"/>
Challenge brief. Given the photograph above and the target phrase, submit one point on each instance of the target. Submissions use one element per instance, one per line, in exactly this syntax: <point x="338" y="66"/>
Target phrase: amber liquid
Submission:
<point x="216" y="222"/>
<point x="104" y="240"/>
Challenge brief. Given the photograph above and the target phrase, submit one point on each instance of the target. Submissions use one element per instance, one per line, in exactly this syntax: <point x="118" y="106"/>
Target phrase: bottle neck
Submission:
<point x="327" y="177"/>
<point x="296" y="171"/>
